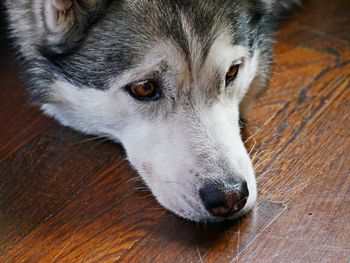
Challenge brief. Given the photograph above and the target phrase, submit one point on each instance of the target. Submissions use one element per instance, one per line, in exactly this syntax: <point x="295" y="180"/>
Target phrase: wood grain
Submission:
<point x="52" y="167"/>
<point x="188" y="243"/>
<point x="66" y="197"/>
<point x="315" y="227"/>
<point x="320" y="25"/>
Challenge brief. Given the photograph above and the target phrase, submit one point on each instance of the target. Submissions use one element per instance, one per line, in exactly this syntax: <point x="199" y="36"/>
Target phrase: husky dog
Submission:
<point x="169" y="79"/>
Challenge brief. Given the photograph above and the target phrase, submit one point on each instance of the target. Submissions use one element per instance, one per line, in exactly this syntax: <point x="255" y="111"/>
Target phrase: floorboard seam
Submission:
<point x="267" y="226"/>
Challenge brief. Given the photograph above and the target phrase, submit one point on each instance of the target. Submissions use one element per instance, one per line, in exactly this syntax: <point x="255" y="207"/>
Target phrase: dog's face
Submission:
<point x="167" y="80"/>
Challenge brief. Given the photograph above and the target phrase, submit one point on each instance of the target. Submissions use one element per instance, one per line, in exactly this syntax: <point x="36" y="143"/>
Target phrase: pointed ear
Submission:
<point x="66" y="22"/>
<point x="279" y="9"/>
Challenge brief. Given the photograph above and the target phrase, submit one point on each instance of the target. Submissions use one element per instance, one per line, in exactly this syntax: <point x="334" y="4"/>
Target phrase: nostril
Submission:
<point x="236" y="201"/>
<point x="212" y="196"/>
<point x="223" y="202"/>
<point x="244" y="190"/>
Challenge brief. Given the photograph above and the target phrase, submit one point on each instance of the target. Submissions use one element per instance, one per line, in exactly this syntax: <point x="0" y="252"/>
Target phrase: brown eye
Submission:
<point x="145" y="90"/>
<point x="232" y="73"/>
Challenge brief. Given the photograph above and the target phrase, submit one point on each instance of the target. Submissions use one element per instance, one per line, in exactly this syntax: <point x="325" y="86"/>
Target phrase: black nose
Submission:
<point x="224" y="201"/>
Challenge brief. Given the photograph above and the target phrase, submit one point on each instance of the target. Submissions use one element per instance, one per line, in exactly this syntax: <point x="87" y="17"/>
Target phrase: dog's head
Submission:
<point x="165" y="78"/>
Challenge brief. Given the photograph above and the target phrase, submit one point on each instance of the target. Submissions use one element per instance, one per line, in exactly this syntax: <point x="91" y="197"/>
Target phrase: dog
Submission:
<point x="168" y="79"/>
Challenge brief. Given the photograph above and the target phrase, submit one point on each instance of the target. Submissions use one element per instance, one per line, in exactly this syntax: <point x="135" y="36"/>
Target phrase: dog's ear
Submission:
<point x="67" y="21"/>
<point x="277" y="10"/>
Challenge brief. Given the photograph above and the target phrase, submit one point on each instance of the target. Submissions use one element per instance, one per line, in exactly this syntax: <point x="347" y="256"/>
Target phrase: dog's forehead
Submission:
<point x="186" y="22"/>
<point x="196" y="29"/>
<point x="122" y="39"/>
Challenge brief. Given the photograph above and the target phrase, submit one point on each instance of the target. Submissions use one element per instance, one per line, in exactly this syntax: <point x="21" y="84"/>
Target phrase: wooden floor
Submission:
<point x="67" y="198"/>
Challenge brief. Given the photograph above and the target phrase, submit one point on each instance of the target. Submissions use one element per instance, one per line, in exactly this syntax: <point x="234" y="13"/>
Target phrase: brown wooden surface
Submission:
<point x="67" y="198"/>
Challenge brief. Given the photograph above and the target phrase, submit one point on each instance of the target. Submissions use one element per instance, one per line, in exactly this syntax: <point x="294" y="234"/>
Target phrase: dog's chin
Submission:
<point x="209" y="219"/>
<point x="206" y="218"/>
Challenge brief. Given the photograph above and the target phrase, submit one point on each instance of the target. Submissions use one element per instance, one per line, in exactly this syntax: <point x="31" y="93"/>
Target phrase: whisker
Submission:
<point x="199" y="254"/>
<point x="268" y="171"/>
<point x="90" y="139"/>
<point x="253" y="147"/>
<point x="102" y="141"/>
<point x="256" y="166"/>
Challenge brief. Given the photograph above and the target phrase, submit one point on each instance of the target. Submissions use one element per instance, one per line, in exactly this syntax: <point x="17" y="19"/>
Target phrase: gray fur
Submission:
<point x="122" y="31"/>
<point x="93" y="44"/>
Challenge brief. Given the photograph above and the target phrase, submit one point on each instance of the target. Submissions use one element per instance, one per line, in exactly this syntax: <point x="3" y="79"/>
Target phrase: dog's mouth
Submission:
<point x="203" y="214"/>
<point x="208" y="201"/>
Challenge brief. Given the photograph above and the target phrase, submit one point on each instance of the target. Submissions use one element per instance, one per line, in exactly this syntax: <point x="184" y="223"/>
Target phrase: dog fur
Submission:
<point x="79" y="56"/>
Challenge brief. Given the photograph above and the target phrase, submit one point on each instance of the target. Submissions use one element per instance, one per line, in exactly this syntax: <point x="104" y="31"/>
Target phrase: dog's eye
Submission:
<point x="232" y="73"/>
<point x="145" y="90"/>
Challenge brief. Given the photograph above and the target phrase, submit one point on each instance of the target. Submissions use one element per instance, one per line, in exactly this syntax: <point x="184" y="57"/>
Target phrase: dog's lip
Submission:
<point x="234" y="217"/>
<point x="206" y="218"/>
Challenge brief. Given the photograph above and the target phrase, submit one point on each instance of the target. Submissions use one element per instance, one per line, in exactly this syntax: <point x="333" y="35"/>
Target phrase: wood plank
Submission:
<point x="44" y="175"/>
<point x="320" y="25"/>
<point x="308" y="132"/>
<point x="98" y="222"/>
<point x="172" y="241"/>
<point x="20" y="121"/>
<point x="294" y="69"/>
<point x="315" y="228"/>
